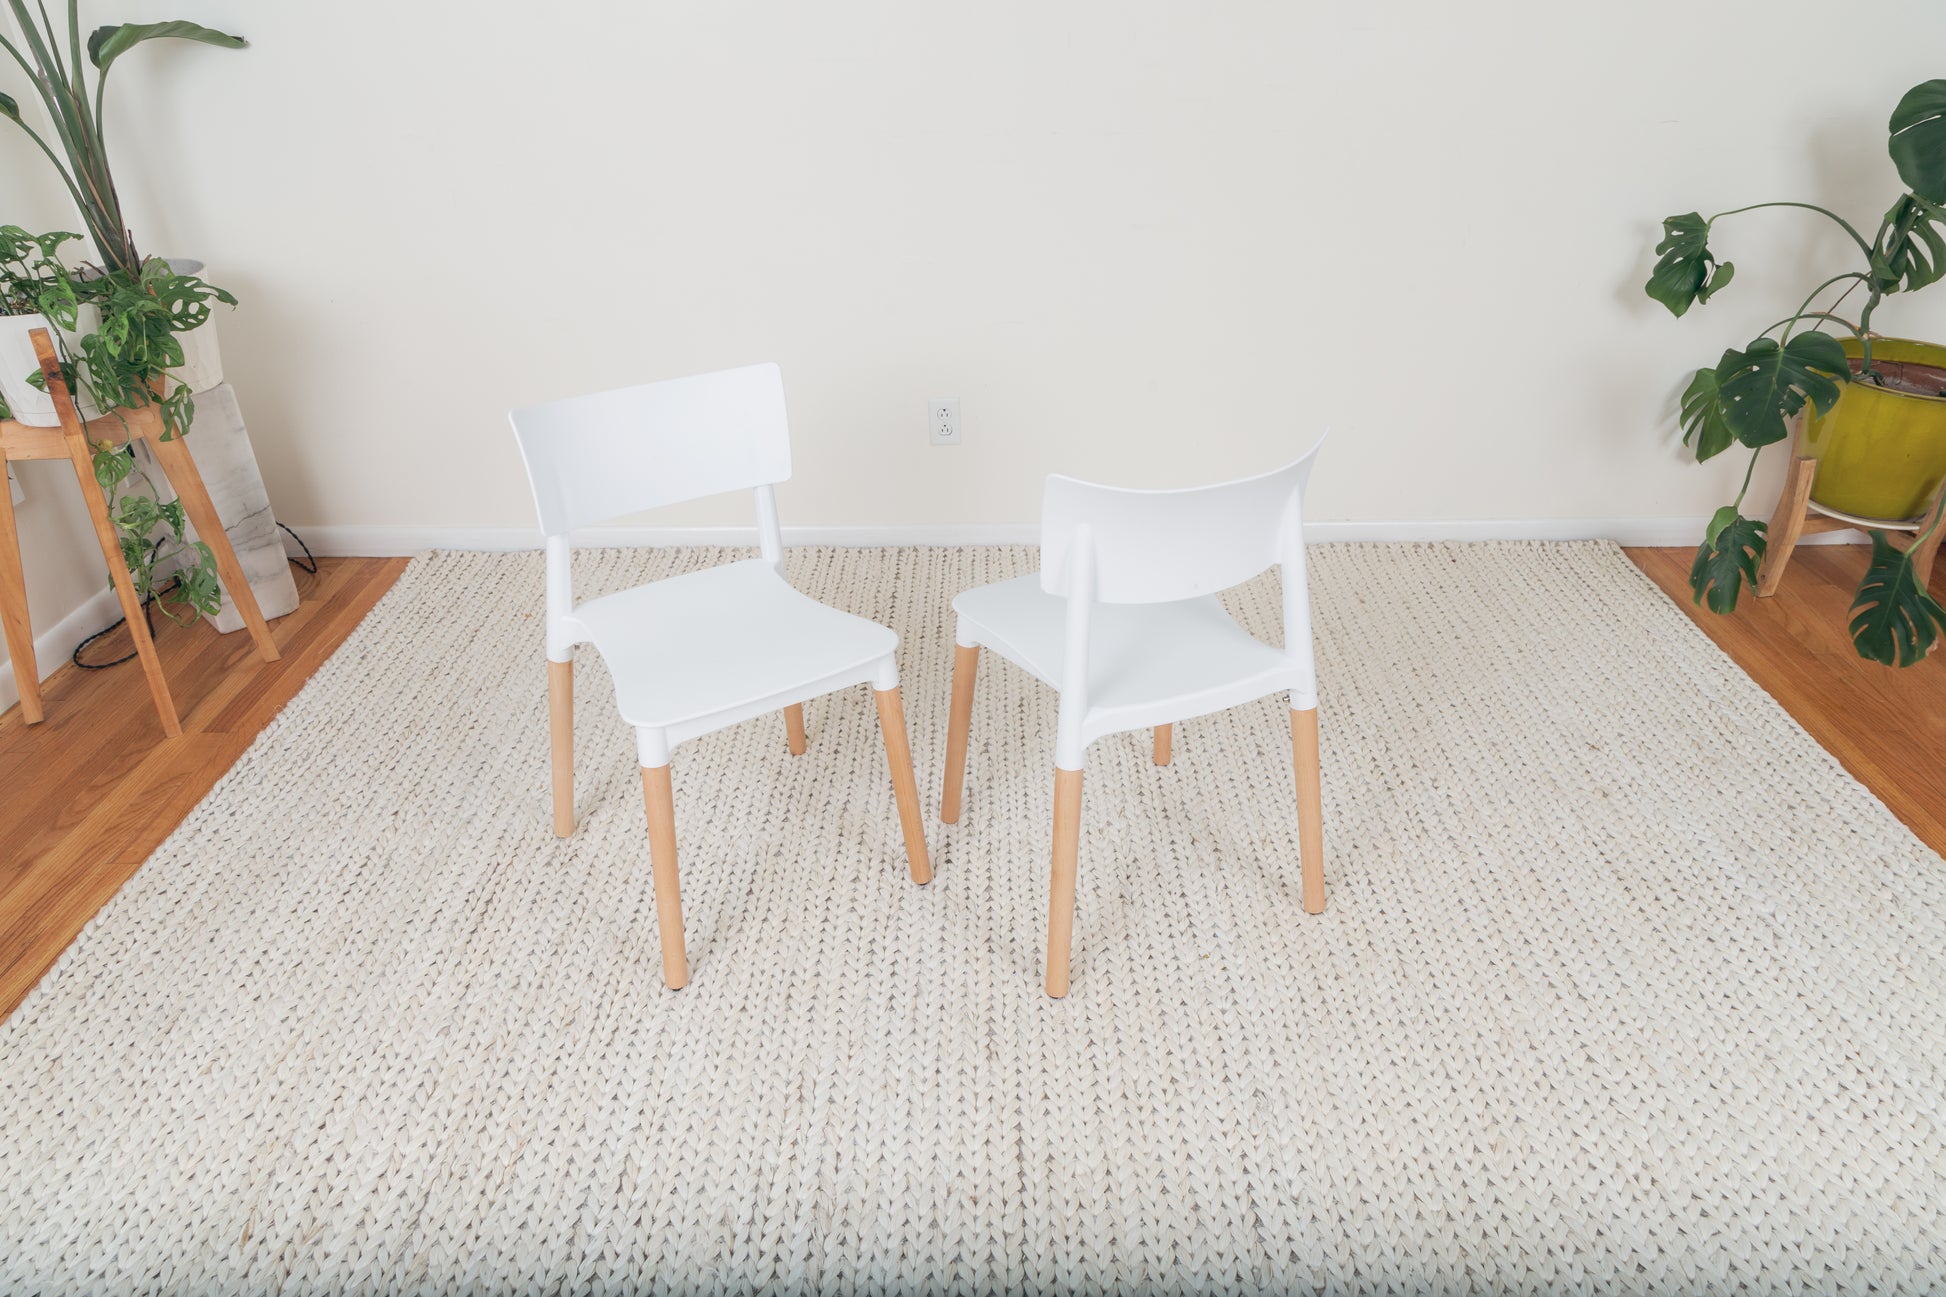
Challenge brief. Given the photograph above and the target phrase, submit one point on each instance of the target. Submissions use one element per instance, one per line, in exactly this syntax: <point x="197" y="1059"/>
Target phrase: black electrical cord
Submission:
<point x="308" y="564"/>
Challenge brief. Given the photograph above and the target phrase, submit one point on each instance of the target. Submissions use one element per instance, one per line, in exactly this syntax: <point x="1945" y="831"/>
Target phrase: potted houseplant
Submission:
<point x="136" y="326"/>
<point x="1875" y="408"/>
<point x="121" y="361"/>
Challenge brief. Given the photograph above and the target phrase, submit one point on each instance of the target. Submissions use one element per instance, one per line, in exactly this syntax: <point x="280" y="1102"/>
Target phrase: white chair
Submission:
<point x="695" y="653"/>
<point x="1123" y="621"/>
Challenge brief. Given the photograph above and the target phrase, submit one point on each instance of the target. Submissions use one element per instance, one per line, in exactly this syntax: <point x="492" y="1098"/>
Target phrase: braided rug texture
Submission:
<point x="1625" y="985"/>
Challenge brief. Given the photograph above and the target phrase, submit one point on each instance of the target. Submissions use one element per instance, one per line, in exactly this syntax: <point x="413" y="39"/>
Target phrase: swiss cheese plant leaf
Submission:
<point x="1727" y="558"/>
<point x="1682" y="275"/>
<point x="1918" y="143"/>
<point x="110" y="43"/>
<point x="1894" y="619"/>
<point x="1915" y="249"/>
<point x="1766" y="384"/>
<point x="1702" y="416"/>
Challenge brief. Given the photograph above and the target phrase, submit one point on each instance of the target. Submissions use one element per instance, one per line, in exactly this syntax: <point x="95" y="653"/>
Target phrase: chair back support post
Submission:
<point x="770" y="536"/>
<point x="1295" y="577"/>
<point x="1079" y="581"/>
<point x="560" y="599"/>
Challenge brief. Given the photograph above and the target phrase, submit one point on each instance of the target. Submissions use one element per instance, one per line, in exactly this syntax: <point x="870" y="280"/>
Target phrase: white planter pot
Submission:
<point x="202" y="359"/>
<point x="29" y="404"/>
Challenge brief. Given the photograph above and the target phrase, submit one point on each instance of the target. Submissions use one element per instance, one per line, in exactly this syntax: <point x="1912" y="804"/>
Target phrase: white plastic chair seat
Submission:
<point x="707" y="649"/>
<point x="1148" y="664"/>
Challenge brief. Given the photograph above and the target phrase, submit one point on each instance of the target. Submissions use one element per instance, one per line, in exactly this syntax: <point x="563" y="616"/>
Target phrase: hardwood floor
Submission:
<point x="94" y="789"/>
<point x="1887" y="726"/>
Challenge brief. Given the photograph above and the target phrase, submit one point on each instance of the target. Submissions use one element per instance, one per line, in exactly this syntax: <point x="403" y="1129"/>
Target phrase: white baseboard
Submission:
<point x="53" y="646"/>
<point x="385" y="541"/>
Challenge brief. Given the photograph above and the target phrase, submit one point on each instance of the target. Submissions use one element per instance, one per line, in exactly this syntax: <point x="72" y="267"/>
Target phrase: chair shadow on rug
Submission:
<point x="695" y="653"/>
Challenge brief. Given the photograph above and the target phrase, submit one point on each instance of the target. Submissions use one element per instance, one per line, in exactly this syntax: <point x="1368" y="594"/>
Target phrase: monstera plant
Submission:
<point x="1751" y="395"/>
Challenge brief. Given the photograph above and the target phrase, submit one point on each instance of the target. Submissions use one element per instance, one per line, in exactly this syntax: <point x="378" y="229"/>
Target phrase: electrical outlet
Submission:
<point x="942" y="421"/>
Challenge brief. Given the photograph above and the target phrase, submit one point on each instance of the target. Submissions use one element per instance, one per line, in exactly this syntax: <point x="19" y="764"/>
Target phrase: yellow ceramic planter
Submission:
<point x="1881" y="454"/>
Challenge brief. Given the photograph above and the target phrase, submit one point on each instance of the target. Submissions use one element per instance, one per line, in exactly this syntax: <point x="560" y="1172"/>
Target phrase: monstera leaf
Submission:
<point x="1914" y="254"/>
<point x="109" y="43"/>
<point x="1766" y="383"/>
<point x="1702" y="416"/>
<point x="1918" y="144"/>
<point x="1728" y="557"/>
<point x="1687" y="271"/>
<point x="1894" y="619"/>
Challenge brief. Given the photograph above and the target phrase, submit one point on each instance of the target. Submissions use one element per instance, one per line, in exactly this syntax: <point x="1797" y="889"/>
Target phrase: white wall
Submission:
<point x="66" y="578"/>
<point x="1147" y="242"/>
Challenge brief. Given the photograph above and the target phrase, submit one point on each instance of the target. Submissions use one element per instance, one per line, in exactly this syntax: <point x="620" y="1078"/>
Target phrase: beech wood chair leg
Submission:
<point x="966" y="665"/>
<point x="659" y="799"/>
<point x="14" y="621"/>
<point x="1060" y="885"/>
<point x="898" y="755"/>
<point x="1786" y="525"/>
<point x="560" y="725"/>
<point x="1163" y="735"/>
<point x="794" y="728"/>
<point x="1310" y="806"/>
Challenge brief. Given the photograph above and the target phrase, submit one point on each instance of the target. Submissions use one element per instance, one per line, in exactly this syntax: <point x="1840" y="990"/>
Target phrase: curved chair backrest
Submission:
<point x="591" y="458"/>
<point x="1158" y="546"/>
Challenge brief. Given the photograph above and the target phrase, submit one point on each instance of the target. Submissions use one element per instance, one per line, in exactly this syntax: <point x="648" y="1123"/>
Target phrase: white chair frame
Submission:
<point x="1123" y="622"/>
<point x="761" y="646"/>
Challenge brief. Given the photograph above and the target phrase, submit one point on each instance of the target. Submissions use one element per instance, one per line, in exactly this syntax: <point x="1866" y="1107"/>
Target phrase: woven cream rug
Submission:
<point x="1624" y="986"/>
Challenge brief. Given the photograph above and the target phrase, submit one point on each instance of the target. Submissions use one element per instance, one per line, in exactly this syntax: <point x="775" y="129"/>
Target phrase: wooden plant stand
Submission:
<point x="1797" y="517"/>
<point x="72" y="441"/>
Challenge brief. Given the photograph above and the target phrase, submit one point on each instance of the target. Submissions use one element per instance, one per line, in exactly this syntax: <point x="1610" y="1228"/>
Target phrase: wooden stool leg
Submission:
<point x="966" y="665"/>
<point x="1786" y="525"/>
<point x="177" y="462"/>
<point x="111" y="550"/>
<point x="898" y="755"/>
<point x="1163" y="735"/>
<point x="1310" y="806"/>
<point x="794" y="728"/>
<point x="560" y="724"/>
<point x="659" y="799"/>
<point x="14" y="621"/>
<point x="75" y="434"/>
<point x="1060" y="884"/>
<point x="1922" y="553"/>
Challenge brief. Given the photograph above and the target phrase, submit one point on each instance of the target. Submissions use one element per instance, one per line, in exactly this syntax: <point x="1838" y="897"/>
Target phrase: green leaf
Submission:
<point x="1726" y="559"/>
<point x="1683" y="273"/>
<point x="112" y="464"/>
<point x="1765" y="384"/>
<point x="110" y="43"/>
<point x="1702" y="416"/>
<point x="1894" y="619"/>
<point x="1918" y="143"/>
<point x="9" y="107"/>
<point x="1719" y="280"/>
<point x="1915" y="249"/>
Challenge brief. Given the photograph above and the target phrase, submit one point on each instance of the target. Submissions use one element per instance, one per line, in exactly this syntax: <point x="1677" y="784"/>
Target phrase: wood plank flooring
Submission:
<point x="1887" y="726"/>
<point x="90" y="793"/>
<point x="94" y="789"/>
